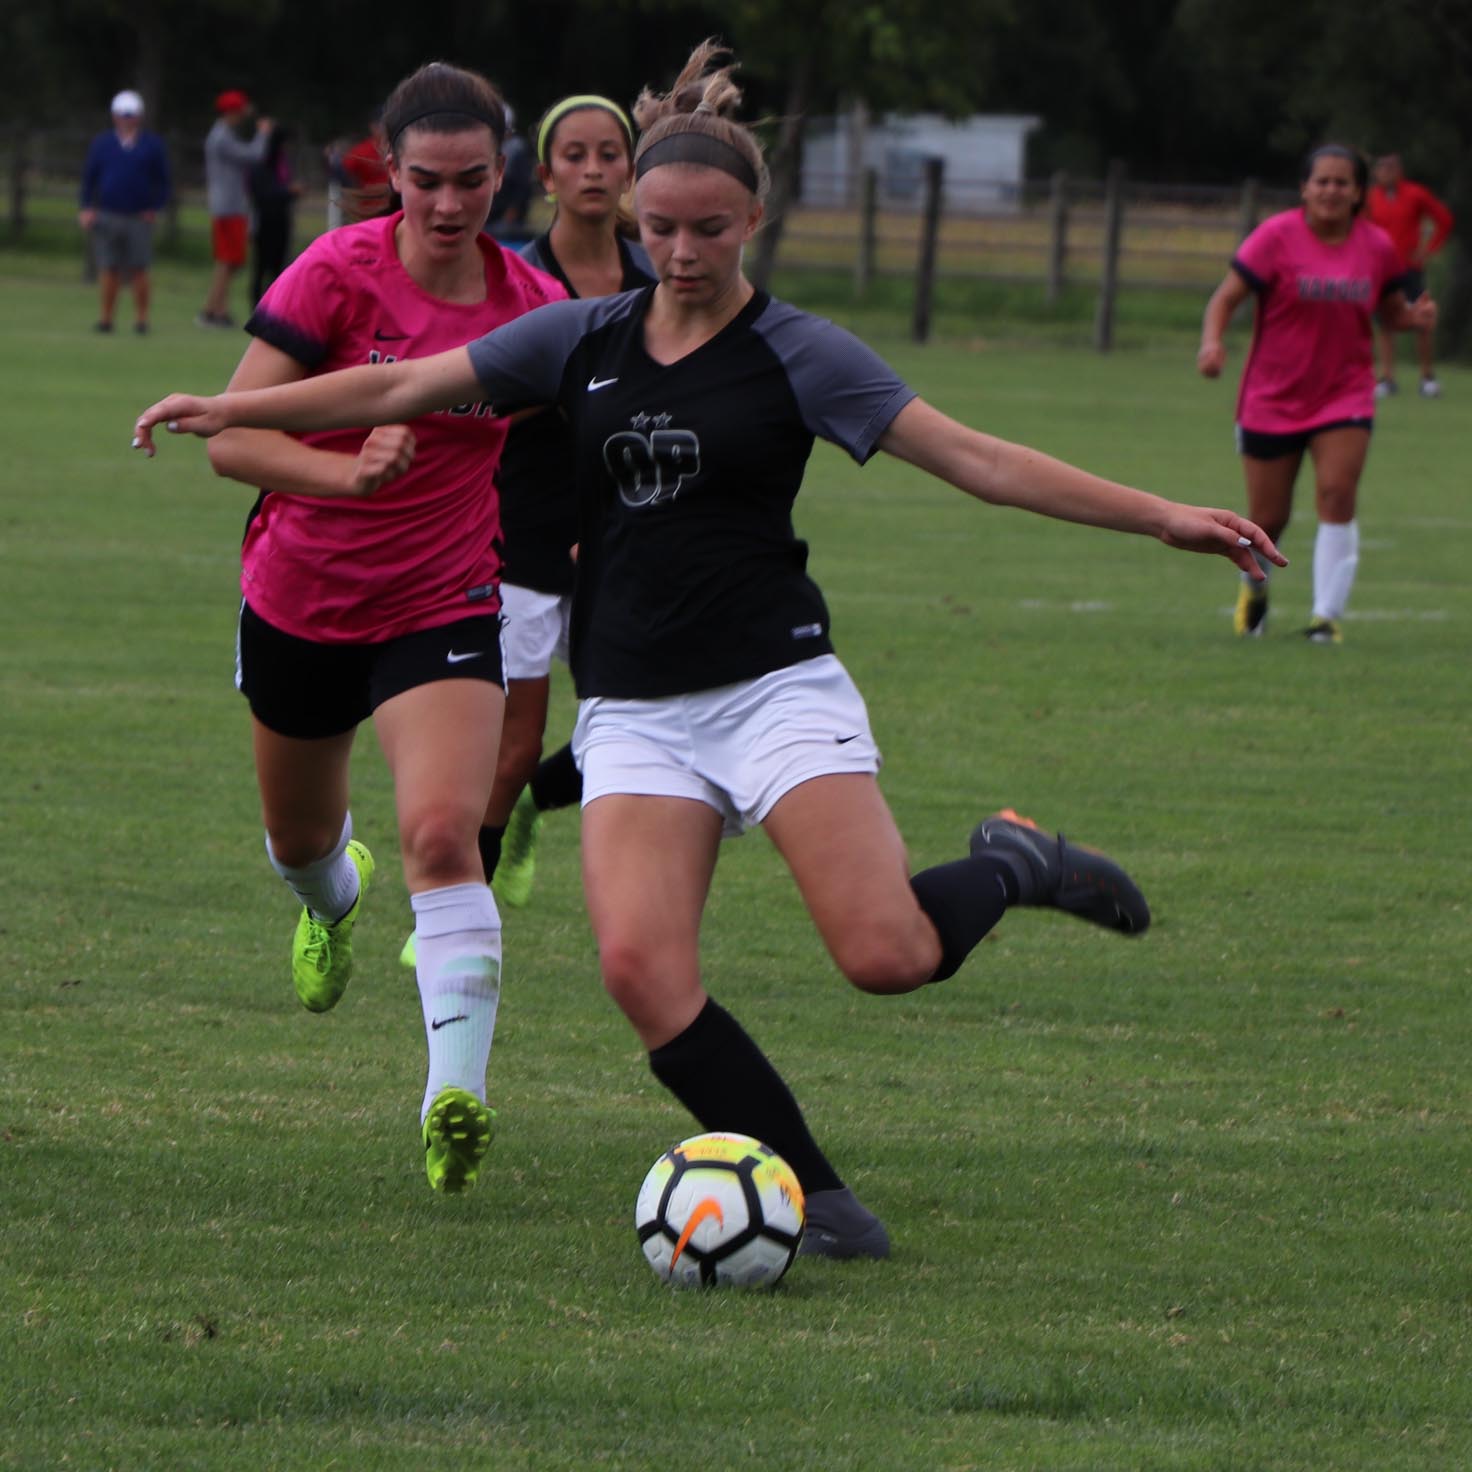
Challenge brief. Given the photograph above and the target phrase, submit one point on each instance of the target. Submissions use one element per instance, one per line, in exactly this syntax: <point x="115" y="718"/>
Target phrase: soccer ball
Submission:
<point x="720" y="1208"/>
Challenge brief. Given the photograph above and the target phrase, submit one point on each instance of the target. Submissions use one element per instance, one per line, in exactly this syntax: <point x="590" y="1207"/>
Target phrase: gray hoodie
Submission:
<point x="227" y="163"/>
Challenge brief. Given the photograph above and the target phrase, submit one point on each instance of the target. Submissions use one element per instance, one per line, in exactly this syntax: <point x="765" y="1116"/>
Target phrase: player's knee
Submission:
<point x="439" y="843"/>
<point x="884" y="963"/>
<point x="519" y="755"/>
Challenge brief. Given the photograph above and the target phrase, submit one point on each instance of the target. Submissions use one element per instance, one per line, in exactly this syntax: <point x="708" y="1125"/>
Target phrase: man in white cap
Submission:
<point x="125" y="183"/>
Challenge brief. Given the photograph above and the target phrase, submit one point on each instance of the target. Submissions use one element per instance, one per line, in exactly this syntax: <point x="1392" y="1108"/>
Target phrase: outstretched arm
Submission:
<point x="354" y="398"/>
<point x="273" y="459"/>
<point x="1005" y="474"/>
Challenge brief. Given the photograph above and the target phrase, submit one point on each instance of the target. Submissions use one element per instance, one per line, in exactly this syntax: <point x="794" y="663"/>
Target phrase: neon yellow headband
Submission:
<point x="560" y="110"/>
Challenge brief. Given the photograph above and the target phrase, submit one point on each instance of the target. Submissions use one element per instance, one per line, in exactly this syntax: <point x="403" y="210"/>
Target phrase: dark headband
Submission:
<point x="697" y="148"/>
<point x="472" y="114"/>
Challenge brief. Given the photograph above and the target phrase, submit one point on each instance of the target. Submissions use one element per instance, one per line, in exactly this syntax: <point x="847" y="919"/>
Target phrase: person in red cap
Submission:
<point x="228" y="160"/>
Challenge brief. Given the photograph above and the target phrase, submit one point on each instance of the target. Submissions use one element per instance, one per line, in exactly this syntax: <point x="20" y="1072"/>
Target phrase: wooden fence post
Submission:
<point x="1057" y="235"/>
<point x="1109" y="273"/>
<point x="935" y="169"/>
<point x="1247" y="219"/>
<point x="868" y="230"/>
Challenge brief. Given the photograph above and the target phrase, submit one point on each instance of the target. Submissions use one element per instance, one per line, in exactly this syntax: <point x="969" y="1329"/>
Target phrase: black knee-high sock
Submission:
<point x="557" y="783"/>
<point x="488" y="841"/>
<point x="720" y="1075"/>
<point x="964" y="899"/>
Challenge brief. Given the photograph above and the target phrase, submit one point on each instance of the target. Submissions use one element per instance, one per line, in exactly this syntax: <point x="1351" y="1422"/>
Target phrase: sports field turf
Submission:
<point x="1199" y="1201"/>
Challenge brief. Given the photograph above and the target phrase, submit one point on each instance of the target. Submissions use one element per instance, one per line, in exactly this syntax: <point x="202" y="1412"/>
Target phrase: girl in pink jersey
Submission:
<point x="388" y="604"/>
<point x="1320" y="275"/>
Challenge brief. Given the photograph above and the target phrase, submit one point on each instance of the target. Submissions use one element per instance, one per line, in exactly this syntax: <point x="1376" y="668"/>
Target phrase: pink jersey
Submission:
<point x="423" y="551"/>
<point x="1312" y="359"/>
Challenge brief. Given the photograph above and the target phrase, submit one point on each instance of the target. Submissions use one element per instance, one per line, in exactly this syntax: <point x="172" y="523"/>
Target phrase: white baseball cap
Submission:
<point x="127" y="104"/>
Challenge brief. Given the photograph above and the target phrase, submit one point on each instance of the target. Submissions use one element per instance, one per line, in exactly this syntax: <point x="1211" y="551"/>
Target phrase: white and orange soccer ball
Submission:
<point x="720" y="1208"/>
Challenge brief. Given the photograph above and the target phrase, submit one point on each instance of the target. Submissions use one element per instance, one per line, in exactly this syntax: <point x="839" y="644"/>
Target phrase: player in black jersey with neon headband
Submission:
<point x="585" y="161"/>
<point x="711" y="698"/>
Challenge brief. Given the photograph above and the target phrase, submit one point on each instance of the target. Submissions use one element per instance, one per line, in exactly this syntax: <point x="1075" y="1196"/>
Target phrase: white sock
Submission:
<point x="1336" y="556"/>
<point x="329" y="887"/>
<point x="459" y="969"/>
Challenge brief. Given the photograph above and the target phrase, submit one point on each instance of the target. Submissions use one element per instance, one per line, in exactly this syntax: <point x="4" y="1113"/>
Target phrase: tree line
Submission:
<point x="1200" y="90"/>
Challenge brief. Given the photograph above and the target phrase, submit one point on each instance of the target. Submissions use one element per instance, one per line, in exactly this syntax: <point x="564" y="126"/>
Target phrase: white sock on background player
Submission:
<point x="328" y="887"/>
<point x="458" y="964"/>
<point x="1336" y="557"/>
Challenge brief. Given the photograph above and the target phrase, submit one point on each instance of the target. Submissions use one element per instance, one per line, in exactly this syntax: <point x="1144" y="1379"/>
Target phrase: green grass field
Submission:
<point x="1199" y="1201"/>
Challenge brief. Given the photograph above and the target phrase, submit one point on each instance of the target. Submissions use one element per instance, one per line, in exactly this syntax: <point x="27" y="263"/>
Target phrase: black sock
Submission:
<point x="720" y="1075"/>
<point x="964" y="899"/>
<point x="557" y="783"/>
<point x="488" y="841"/>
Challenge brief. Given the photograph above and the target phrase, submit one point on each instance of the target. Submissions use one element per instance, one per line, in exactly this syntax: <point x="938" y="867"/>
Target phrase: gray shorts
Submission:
<point x="122" y="242"/>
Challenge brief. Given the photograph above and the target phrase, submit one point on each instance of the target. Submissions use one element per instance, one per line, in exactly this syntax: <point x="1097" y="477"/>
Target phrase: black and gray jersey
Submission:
<point x="537" y="476"/>
<point x="689" y="572"/>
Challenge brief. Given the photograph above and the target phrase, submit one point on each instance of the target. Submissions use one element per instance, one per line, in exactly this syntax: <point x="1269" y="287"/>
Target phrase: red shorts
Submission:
<point x="227" y="239"/>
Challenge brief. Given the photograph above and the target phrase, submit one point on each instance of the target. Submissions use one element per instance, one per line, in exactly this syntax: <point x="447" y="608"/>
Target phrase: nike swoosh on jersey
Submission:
<point x="453" y="658"/>
<point x="595" y="383"/>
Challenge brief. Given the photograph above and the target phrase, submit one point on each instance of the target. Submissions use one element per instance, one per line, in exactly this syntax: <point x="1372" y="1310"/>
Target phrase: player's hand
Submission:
<point x="87" y="218"/>
<point x="1211" y="359"/>
<point x="386" y="454"/>
<point x="1421" y="314"/>
<point x="1201" y="529"/>
<point x="180" y="414"/>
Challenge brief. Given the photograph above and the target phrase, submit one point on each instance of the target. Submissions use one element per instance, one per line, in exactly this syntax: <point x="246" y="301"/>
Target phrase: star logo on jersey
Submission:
<point x="663" y="421"/>
<point x="639" y="421"/>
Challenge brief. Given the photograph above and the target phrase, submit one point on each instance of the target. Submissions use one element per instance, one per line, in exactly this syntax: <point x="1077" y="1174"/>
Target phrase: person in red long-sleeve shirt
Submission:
<point x="1403" y="209"/>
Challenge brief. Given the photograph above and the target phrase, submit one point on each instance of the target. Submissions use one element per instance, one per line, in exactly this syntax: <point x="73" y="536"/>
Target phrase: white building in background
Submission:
<point x="985" y="157"/>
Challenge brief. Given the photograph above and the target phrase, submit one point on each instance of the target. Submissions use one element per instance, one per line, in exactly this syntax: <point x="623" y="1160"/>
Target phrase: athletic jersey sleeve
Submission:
<point x="302" y="310"/>
<point x="1442" y="219"/>
<point x="524" y="362"/>
<point x="1256" y="260"/>
<point x="847" y="394"/>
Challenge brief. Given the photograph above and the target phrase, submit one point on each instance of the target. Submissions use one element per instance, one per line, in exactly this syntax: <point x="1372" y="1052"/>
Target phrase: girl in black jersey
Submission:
<point x="710" y="695"/>
<point x="585" y="161"/>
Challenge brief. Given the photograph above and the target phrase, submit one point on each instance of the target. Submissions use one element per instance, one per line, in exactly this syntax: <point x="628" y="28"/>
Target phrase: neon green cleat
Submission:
<point x="457" y="1134"/>
<point x="518" y="867"/>
<point x="409" y="956"/>
<point x="1323" y="631"/>
<point x="1250" y="617"/>
<point x="322" y="954"/>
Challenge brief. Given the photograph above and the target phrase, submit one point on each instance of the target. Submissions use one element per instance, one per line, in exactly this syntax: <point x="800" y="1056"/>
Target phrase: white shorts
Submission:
<point x="739" y="748"/>
<point x="533" y="630"/>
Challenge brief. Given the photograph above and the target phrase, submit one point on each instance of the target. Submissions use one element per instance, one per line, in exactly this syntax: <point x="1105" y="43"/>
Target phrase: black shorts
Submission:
<point x="1413" y="283"/>
<point x="299" y="688"/>
<point x="1256" y="445"/>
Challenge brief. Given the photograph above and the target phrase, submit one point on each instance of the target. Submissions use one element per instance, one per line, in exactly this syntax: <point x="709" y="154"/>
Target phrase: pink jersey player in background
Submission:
<point x="1320" y="275"/>
<point x="370" y="586"/>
